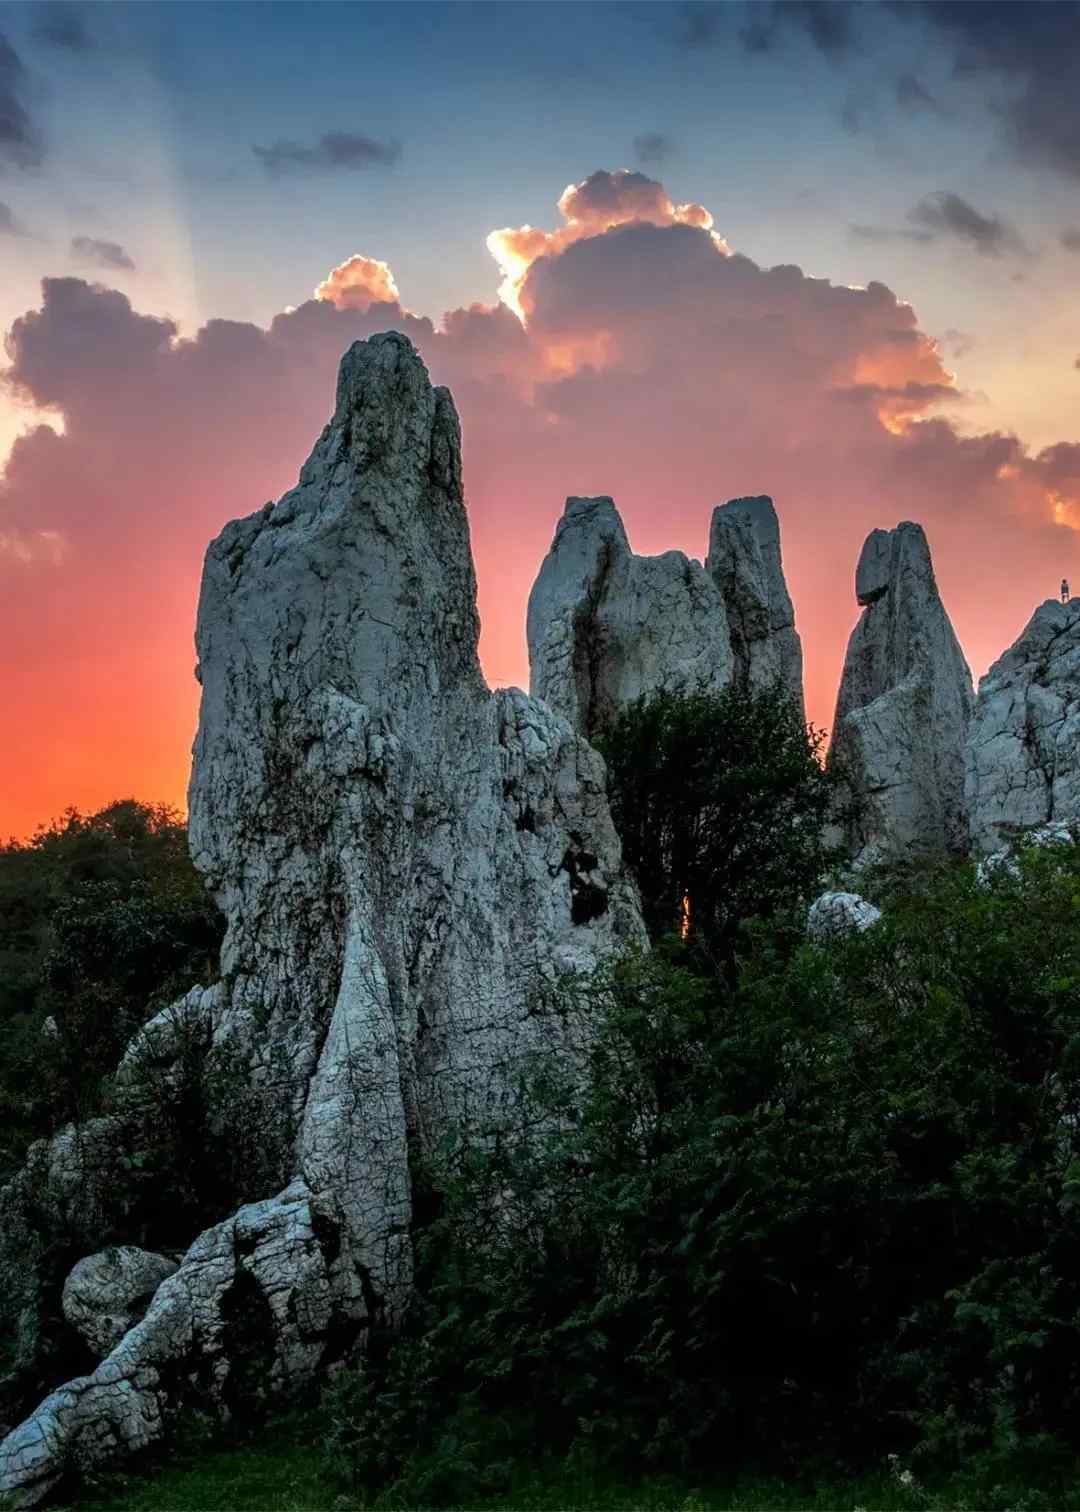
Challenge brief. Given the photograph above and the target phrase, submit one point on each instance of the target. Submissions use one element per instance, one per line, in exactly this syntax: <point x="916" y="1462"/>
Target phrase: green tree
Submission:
<point x="102" y="919"/>
<point x="721" y="802"/>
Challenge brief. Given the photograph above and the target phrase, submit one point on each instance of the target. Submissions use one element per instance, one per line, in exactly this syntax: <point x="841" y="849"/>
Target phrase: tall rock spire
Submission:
<point x="904" y="706"/>
<point x="1023" y="753"/>
<point x="407" y="862"/>
<point x="745" y="563"/>
<point x="606" y="626"/>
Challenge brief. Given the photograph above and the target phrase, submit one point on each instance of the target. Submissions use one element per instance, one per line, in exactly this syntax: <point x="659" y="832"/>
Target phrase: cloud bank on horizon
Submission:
<point x="631" y="352"/>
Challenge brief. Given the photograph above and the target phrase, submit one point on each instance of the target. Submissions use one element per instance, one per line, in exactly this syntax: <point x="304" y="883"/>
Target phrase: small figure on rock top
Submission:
<point x="1065" y="595"/>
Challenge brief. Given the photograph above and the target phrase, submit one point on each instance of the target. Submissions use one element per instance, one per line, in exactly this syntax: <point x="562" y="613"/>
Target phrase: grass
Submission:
<point x="282" y="1469"/>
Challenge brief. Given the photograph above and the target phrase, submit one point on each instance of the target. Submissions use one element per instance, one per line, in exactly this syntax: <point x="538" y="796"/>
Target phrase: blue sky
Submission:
<point x="149" y="126"/>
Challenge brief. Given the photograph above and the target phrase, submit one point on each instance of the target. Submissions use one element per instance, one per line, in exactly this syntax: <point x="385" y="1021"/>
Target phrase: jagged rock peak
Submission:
<point x="407" y="864"/>
<point x="605" y="626"/>
<point x="745" y="563"/>
<point x="904" y="706"/>
<point x="1023" y="753"/>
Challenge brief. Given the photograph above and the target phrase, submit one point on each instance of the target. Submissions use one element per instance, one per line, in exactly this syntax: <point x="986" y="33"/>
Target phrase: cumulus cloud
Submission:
<point x="357" y="283"/>
<point x="336" y="150"/>
<point x="103" y="254"/>
<point x="653" y="147"/>
<point x="951" y="215"/>
<point x="647" y="361"/>
<point x="20" y="139"/>
<point x="595" y="205"/>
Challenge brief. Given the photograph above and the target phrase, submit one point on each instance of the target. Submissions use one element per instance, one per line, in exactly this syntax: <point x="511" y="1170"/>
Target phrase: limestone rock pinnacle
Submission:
<point x="406" y="861"/>
<point x="1023" y="752"/>
<point x="904" y="706"/>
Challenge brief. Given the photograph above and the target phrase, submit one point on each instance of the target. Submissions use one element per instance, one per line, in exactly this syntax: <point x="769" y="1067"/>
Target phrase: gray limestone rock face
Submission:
<point x="1003" y="862"/>
<point x="745" y="563"/>
<point x="107" y="1293"/>
<point x="1023" y="751"/>
<point x="251" y="1308"/>
<point x="836" y="914"/>
<point x="408" y="863"/>
<point x="606" y="626"/>
<point x="71" y="1185"/>
<point x="904" y="707"/>
<point x="874" y="570"/>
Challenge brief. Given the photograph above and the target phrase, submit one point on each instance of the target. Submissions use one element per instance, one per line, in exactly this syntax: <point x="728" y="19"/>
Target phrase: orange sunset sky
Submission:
<point x="866" y="310"/>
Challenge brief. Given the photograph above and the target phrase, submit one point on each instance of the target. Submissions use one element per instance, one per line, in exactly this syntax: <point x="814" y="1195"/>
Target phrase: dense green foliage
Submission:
<point x="802" y="1212"/>
<point x="102" y="919"/>
<point x="720" y="800"/>
<point x="803" y="1208"/>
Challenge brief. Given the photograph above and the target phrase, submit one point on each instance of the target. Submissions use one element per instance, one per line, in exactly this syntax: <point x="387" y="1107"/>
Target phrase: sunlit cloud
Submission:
<point x="357" y="283"/>
<point x="589" y="208"/>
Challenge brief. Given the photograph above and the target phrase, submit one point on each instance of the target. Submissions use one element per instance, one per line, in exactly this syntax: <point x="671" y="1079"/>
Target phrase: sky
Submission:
<point x="674" y="253"/>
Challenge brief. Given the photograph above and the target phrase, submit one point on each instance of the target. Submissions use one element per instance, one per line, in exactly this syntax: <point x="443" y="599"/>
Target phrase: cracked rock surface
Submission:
<point x="836" y="914"/>
<point x="1023" y="751"/>
<point x="606" y="626"/>
<point x="904" y="707"/>
<point x="253" y="1306"/>
<point x="406" y="861"/>
<point x="107" y="1293"/>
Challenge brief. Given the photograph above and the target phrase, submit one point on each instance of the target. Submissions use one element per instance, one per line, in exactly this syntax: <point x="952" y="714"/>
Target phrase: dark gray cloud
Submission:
<point x="10" y="224"/>
<point x="335" y="150"/>
<point x="889" y="233"/>
<point x="103" y="254"/>
<point x="653" y="147"/>
<point x="829" y="24"/>
<point x="951" y="215"/>
<point x="1070" y="238"/>
<point x="20" y="139"/>
<point x="1032" y="47"/>
<point x="59" y="23"/>
<point x="1023" y="57"/>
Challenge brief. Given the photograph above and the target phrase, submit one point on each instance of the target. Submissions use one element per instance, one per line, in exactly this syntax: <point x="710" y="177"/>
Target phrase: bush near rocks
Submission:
<point x="720" y="801"/>
<point x="825" y="1215"/>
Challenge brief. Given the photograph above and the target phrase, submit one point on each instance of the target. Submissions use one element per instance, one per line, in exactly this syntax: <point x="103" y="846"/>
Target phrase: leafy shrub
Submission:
<point x="720" y="800"/>
<point x="103" y="919"/>
<point x="822" y="1213"/>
